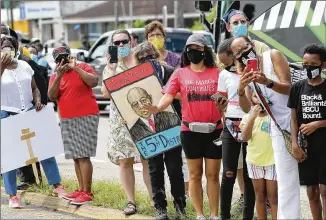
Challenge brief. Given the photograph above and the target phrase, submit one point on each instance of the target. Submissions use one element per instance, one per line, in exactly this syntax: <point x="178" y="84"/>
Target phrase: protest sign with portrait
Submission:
<point x="130" y="90"/>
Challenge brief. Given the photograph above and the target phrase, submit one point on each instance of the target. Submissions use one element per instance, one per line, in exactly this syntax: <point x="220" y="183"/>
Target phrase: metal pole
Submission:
<point x="178" y="14"/>
<point x="131" y="14"/>
<point x="116" y="10"/>
<point x="11" y="14"/>
<point x="165" y="15"/>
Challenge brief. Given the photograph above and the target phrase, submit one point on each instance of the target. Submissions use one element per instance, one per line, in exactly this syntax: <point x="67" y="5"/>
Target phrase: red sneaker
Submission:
<point x="73" y="195"/>
<point x="83" y="199"/>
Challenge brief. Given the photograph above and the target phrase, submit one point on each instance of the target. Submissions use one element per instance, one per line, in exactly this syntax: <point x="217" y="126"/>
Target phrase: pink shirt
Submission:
<point x="196" y="89"/>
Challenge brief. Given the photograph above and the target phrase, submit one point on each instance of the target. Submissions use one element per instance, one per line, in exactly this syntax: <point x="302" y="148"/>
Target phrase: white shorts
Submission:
<point x="240" y="161"/>
<point x="262" y="172"/>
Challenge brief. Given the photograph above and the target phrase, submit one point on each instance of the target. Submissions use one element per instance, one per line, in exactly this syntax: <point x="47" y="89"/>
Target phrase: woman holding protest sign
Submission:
<point x="20" y="94"/>
<point x="121" y="148"/>
<point x="196" y="81"/>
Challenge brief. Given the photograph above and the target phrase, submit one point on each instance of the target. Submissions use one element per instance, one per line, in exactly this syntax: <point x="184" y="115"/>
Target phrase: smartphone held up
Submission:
<point x="252" y="65"/>
<point x="113" y="52"/>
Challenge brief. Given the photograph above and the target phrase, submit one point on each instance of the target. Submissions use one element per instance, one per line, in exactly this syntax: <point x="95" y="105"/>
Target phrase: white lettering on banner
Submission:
<point x="311" y="106"/>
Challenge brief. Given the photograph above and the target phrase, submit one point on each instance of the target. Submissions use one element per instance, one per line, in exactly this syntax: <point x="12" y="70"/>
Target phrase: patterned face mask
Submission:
<point x="158" y="42"/>
<point x="124" y="51"/>
<point x="239" y="30"/>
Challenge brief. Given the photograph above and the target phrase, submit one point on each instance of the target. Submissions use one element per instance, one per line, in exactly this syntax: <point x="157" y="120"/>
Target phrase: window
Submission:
<point x="99" y="49"/>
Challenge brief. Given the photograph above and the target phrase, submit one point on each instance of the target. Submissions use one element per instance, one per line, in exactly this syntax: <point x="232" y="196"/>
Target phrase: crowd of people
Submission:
<point x="252" y="109"/>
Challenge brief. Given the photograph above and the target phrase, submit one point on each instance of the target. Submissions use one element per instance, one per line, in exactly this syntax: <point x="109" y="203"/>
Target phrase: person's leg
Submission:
<point x="10" y="182"/>
<point x="146" y="178"/>
<point x="230" y="152"/>
<point x="51" y="171"/>
<point x="173" y="163"/>
<point x="261" y="196"/>
<point x="79" y="174"/>
<point x="212" y="172"/>
<point x="323" y="198"/>
<point x="271" y="186"/>
<point x="86" y="168"/>
<point x="195" y="167"/>
<point x="185" y="171"/>
<point x="127" y="178"/>
<point x="240" y="180"/>
<point x="314" y="201"/>
<point x="249" y="192"/>
<point x="287" y="178"/>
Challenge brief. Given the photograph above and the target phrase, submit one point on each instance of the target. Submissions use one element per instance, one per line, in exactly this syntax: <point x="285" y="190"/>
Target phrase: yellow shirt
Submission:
<point x="259" y="149"/>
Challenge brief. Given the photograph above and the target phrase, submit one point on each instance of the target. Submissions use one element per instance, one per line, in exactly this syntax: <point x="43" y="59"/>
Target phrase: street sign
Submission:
<point x="22" y="11"/>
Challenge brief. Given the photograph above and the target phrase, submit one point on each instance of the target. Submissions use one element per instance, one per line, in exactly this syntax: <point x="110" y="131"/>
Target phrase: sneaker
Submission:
<point x="73" y="195"/>
<point x="84" y="198"/>
<point x="214" y="218"/>
<point x="60" y="192"/>
<point x="14" y="203"/>
<point x="200" y="218"/>
<point x="161" y="214"/>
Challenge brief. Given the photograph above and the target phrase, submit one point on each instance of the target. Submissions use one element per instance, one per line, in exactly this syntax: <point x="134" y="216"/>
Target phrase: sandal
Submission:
<point x="130" y="209"/>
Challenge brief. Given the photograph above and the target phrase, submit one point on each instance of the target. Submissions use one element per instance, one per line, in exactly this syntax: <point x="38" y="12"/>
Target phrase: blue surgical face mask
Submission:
<point x="124" y="51"/>
<point x="34" y="58"/>
<point x="239" y="30"/>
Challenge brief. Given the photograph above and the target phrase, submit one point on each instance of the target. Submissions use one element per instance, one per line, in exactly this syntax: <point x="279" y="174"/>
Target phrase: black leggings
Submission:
<point x="230" y="151"/>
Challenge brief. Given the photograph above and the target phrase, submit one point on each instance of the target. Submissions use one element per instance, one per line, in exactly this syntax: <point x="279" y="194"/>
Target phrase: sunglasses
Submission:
<point x="147" y="58"/>
<point x="118" y="42"/>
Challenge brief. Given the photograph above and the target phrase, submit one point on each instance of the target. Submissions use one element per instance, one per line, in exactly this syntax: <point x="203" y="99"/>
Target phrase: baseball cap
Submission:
<point x="197" y="39"/>
<point x="63" y="50"/>
<point x="226" y="18"/>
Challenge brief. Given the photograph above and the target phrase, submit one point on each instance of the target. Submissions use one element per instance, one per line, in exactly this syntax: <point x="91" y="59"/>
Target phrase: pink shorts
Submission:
<point x="262" y="172"/>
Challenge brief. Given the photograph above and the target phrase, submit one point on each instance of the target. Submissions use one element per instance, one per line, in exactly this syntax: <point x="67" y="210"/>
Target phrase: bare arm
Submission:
<point x="164" y="102"/>
<point x="90" y="79"/>
<point x="178" y="96"/>
<point x="244" y="99"/>
<point x="105" y="92"/>
<point x="53" y="92"/>
<point x="247" y="129"/>
<point x="282" y="71"/>
<point x="294" y="127"/>
<point x="36" y="93"/>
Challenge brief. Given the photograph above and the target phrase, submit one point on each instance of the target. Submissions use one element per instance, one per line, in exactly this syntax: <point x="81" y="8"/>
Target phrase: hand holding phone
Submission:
<point x="113" y="52"/>
<point x="218" y="97"/>
<point x="252" y="65"/>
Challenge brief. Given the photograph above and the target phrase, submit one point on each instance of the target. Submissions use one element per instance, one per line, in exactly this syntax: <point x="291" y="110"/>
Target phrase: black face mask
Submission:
<point x="250" y="54"/>
<point x="195" y="56"/>
<point x="147" y="58"/>
<point x="231" y="68"/>
<point x="312" y="71"/>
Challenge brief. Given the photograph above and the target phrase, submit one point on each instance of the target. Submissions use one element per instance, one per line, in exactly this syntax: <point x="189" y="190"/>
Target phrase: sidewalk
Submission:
<point x="58" y="204"/>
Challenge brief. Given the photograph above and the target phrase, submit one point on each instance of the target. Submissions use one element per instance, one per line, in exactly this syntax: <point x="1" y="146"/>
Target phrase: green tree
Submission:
<point x="139" y="24"/>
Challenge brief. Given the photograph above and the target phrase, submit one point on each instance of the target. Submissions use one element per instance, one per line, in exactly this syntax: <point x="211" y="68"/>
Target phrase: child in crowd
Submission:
<point x="308" y="104"/>
<point x="260" y="158"/>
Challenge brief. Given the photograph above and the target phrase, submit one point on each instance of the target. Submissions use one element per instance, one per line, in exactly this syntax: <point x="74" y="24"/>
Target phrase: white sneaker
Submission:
<point x="14" y="203"/>
<point x="200" y="218"/>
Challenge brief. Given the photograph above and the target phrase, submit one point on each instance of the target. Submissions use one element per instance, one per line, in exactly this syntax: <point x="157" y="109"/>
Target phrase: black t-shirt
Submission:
<point x="309" y="101"/>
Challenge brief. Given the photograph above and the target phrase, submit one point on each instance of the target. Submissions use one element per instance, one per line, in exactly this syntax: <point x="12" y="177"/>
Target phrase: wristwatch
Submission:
<point x="270" y="85"/>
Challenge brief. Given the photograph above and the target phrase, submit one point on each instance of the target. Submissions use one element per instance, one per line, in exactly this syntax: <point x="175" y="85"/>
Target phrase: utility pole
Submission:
<point x="178" y="13"/>
<point x="131" y="14"/>
<point x="11" y="14"/>
<point x="165" y="15"/>
<point x="116" y="11"/>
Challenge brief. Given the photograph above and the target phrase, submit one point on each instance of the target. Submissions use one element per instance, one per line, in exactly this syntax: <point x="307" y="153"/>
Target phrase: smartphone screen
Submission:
<point x="252" y="64"/>
<point x="113" y="51"/>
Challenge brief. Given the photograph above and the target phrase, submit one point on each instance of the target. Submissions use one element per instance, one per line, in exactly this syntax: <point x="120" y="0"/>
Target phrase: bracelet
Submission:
<point x="241" y="94"/>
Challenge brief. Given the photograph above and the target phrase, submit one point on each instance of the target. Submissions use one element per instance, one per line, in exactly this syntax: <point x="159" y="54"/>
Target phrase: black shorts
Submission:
<point x="200" y="145"/>
<point x="313" y="170"/>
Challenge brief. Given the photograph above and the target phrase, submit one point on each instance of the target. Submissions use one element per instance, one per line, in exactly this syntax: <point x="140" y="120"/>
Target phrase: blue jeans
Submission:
<point x="50" y="168"/>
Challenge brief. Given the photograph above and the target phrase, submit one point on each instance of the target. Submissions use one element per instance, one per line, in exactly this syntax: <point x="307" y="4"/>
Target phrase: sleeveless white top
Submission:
<point x="279" y="101"/>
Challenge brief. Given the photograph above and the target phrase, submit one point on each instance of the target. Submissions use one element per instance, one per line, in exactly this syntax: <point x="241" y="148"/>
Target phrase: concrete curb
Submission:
<point x="63" y="205"/>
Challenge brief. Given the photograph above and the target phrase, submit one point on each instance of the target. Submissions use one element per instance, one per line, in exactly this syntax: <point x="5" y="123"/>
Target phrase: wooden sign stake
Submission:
<point x="26" y="136"/>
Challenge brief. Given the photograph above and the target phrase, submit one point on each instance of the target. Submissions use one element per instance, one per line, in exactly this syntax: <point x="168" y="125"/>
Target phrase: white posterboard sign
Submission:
<point x="47" y="141"/>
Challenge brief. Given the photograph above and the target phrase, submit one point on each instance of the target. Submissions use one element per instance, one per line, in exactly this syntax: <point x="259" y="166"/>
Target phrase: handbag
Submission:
<point x="286" y="135"/>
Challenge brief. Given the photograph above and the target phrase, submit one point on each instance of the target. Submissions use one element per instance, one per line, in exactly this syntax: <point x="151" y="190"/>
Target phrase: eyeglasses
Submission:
<point x="240" y="52"/>
<point x="155" y="35"/>
<point x="118" y="42"/>
<point x="239" y="22"/>
<point x="144" y="59"/>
